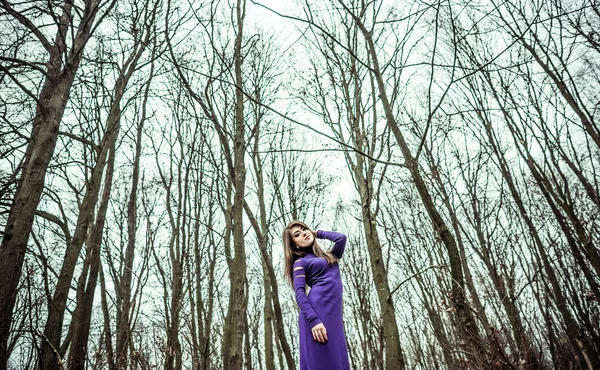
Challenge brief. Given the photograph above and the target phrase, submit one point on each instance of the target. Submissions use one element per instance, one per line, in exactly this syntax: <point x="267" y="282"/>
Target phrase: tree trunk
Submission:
<point x="110" y="358"/>
<point x="124" y="285"/>
<point x="82" y="316"/>
<point x="437" y="324"/>
<point x="480" y="311"/>
<point x="54" y="322"/>
<point x="233" y="333"/>
<point x="466" y="323"/>
<point x="393" y="350"/>
<point x="50" y="109"/>
<point x="268" y="321"/>
<point x="272" y="308"/>
<point x="561" y="302"/>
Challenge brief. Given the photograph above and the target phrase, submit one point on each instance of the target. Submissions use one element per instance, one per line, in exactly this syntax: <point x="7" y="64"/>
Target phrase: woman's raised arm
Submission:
<point x="338" y="239"/>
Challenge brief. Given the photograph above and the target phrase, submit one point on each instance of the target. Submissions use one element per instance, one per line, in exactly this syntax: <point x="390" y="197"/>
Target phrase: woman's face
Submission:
<point x="302" y="236"/>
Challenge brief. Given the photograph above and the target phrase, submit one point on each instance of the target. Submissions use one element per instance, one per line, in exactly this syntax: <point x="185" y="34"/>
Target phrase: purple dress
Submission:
<point x="322" y="305"/>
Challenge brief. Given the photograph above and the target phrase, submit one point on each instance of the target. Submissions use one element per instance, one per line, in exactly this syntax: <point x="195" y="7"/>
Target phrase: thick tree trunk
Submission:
<point x="51" y="105"/>
<point x="247" y="340"/>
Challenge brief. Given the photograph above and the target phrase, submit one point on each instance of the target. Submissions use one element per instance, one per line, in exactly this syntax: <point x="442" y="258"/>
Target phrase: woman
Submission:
<point x="322" y="338"/>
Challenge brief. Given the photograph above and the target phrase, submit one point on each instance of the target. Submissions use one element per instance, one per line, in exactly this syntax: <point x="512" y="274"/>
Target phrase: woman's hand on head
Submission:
<point x="319" y="333"/>
<point x="314" y="232"/>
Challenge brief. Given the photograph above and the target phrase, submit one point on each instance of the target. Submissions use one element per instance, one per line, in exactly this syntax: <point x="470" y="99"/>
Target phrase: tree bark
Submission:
<point x="272" y="308"/>
<point x="233" y="331"/>
<point x="51" y="106"/>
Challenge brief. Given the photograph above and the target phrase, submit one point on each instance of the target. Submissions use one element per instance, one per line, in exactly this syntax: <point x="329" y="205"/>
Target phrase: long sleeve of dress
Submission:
<point x="300" y="289"/>
<point x="338" y="239"/>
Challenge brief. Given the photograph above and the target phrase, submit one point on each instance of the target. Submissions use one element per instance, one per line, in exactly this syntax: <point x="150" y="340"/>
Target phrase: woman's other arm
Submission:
<point x="300" y="289"/>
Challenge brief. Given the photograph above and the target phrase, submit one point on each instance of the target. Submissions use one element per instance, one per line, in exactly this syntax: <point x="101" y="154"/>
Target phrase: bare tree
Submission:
<point x="231" y="131"/>
<point x="53" y="330"/>
<point x="264" y="87"/>
<point x="466" y="322"/>
<point x="73" y="30"/>
<point x="351" y="110"/>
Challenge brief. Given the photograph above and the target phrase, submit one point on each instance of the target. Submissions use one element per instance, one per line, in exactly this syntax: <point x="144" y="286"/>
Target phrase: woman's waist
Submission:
<point x="324" y="282"/>
<point x="332" y="291"/>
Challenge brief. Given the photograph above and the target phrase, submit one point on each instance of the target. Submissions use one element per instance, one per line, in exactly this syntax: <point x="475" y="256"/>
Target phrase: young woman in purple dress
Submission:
<point x="322" y="338"/>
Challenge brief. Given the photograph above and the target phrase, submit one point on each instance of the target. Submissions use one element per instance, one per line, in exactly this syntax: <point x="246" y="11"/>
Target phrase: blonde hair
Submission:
<point x="292" y="252"/>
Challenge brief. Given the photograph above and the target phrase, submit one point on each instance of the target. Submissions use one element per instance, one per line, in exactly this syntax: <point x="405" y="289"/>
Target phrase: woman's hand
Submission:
<point x="319" y="333"/>
<point x="314" y="232"/>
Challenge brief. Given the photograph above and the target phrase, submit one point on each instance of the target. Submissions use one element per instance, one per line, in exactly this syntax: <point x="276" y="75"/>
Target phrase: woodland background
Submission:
<point x="152" y="151"/>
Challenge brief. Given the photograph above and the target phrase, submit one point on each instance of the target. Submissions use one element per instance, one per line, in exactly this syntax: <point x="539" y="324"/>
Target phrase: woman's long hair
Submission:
<point x="292" y="252"/>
